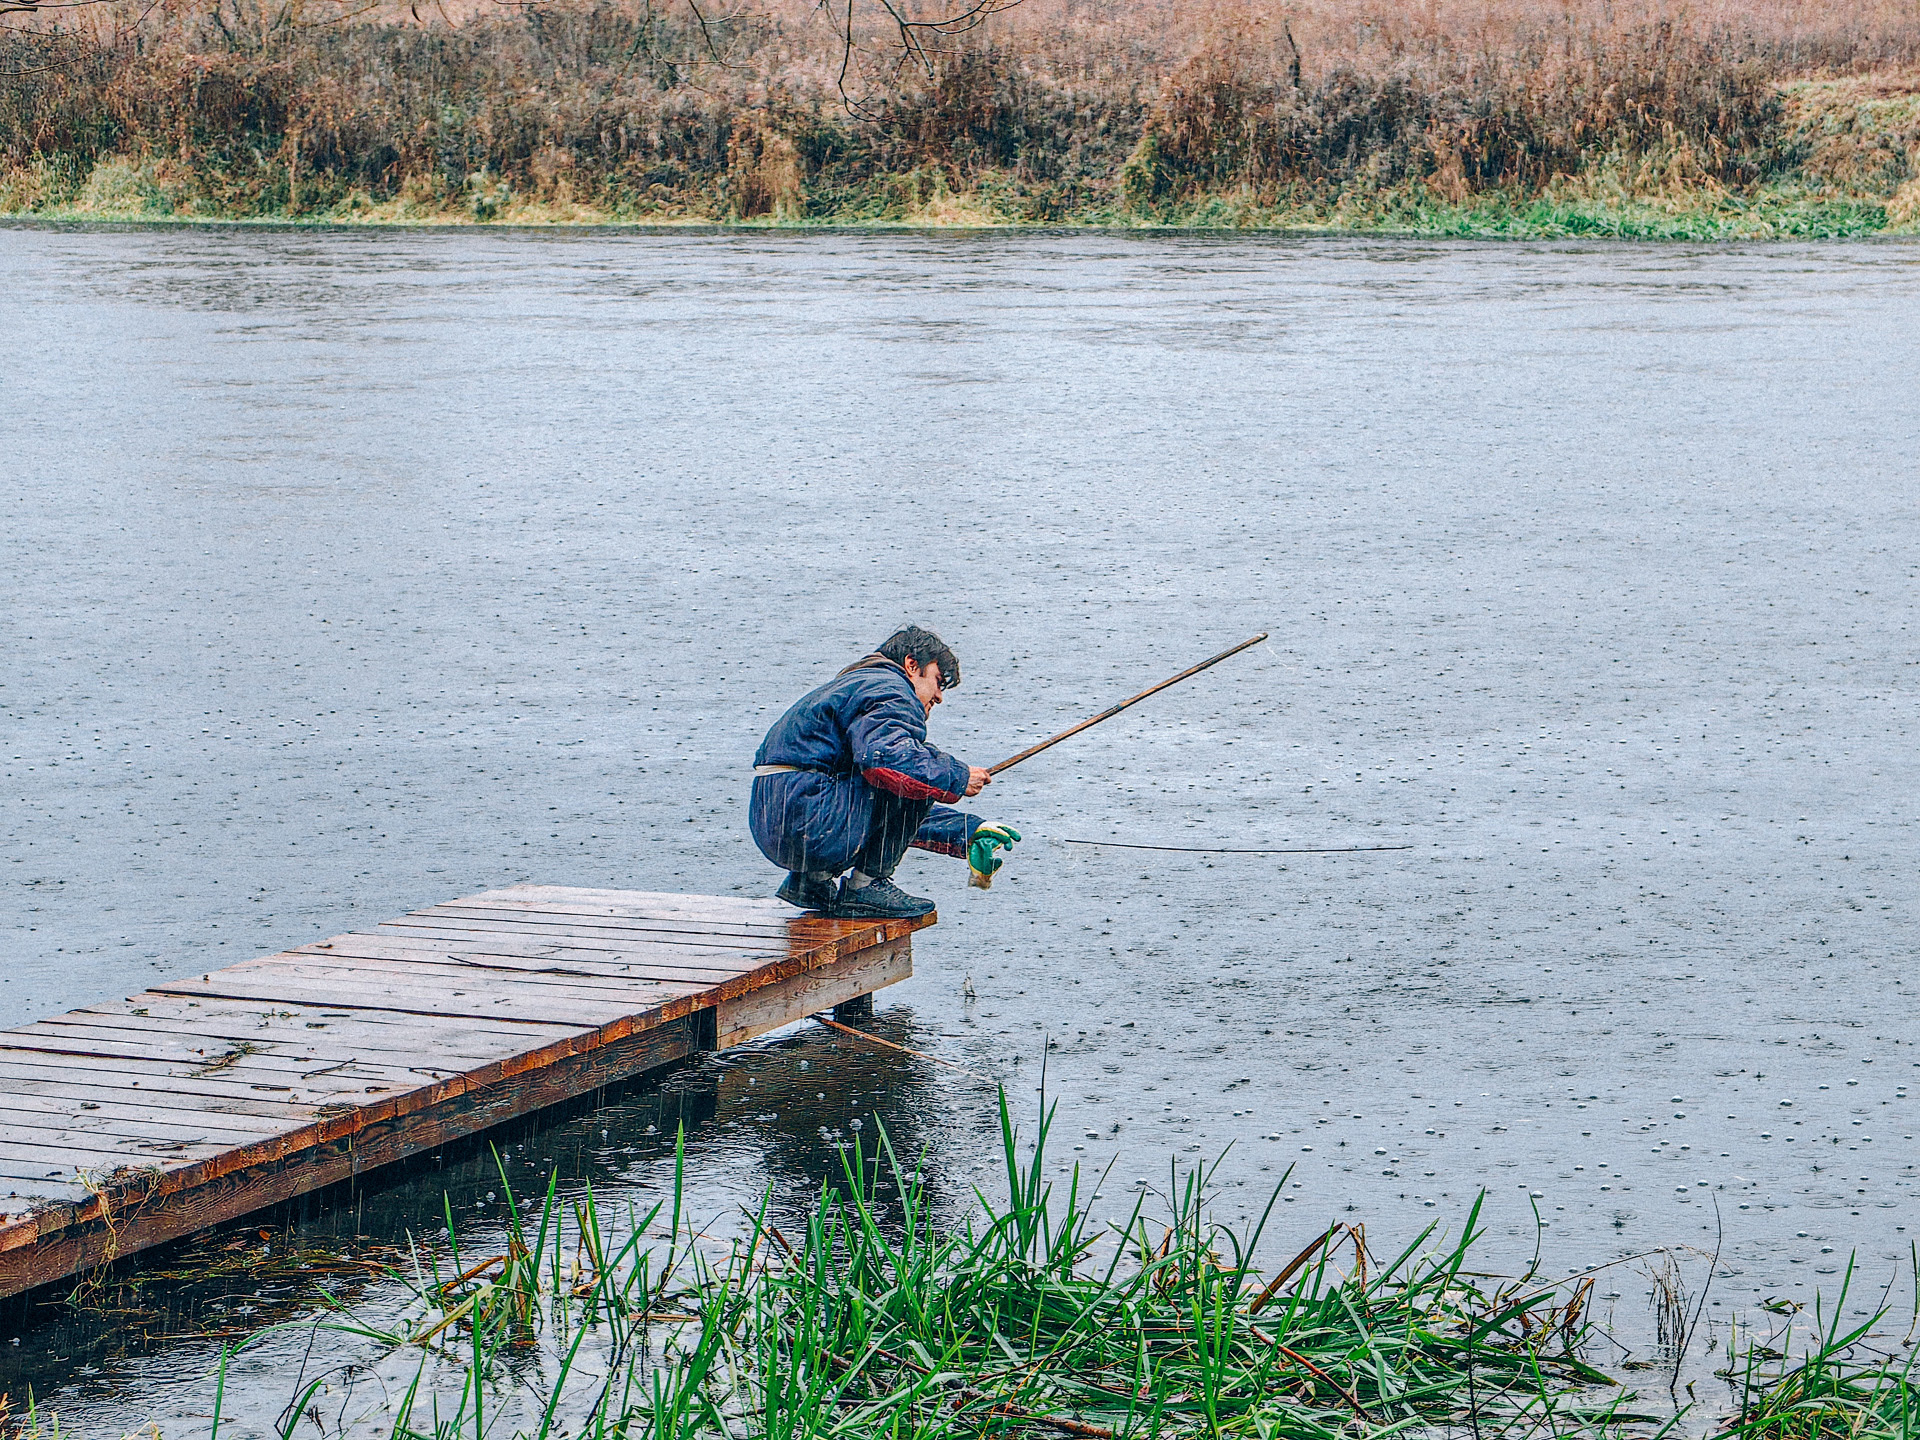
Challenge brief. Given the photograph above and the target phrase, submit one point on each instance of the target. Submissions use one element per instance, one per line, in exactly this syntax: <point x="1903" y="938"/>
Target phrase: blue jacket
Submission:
<point x="863" y="731"/>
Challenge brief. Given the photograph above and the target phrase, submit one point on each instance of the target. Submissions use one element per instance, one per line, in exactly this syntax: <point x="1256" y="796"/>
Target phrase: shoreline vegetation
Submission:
<point x="885" y="1313"/>
<point x="1641" y="118"/>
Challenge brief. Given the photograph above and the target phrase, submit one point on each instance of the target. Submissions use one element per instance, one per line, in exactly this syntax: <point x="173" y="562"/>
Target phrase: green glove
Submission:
<point x="981" y="861"/>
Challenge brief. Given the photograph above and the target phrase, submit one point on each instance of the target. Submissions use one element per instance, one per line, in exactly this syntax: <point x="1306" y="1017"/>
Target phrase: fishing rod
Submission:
<point x="1227" y="850"/>
<point x="1111" y="711"/>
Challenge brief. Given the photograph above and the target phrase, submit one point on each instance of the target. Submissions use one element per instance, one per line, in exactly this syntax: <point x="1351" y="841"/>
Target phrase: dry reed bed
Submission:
<point x="1052" y="110"/>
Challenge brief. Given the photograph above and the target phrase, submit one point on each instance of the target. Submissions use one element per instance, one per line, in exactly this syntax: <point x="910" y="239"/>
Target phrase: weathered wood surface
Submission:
<point x="127" y="1124"/>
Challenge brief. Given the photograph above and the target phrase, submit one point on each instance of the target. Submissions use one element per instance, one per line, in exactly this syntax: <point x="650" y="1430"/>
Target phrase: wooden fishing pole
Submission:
<point x="1114" y="710"/>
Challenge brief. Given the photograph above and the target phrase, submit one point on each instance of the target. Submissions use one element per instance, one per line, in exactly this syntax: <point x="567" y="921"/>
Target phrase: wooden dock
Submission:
<point x="205" y="1098"/>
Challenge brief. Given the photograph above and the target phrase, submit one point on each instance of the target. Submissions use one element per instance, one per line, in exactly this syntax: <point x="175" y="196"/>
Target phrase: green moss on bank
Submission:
<point x="119" y="190"/>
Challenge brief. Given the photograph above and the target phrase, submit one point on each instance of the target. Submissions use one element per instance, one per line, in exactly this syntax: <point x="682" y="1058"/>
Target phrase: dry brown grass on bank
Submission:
<point x="1053" y="109"/>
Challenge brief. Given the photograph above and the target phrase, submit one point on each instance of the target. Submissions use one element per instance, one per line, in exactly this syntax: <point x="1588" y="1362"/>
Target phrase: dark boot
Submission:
<point x="809" y="892"/>
<point x="877" y="900"/>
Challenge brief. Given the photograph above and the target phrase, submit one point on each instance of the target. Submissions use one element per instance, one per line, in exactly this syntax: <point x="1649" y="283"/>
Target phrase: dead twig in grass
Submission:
<point x="892" y="1045"/>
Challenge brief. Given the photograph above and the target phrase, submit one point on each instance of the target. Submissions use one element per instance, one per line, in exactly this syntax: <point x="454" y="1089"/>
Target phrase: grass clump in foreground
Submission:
<point x="1839" y="1388"/>
<point x="876" y="1317"/>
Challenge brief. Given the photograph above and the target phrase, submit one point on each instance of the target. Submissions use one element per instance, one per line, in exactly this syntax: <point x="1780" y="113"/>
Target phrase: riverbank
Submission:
<point x="120" y="191"/>
<point x="125" y="194"/>
<point x="1475" y="120"/>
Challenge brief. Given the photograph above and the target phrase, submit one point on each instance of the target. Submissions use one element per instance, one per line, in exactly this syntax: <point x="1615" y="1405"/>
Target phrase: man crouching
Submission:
<point x="846" y="781"/>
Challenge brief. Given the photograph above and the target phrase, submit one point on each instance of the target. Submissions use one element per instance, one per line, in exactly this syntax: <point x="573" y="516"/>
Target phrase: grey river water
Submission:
<point x="349" y="572"/>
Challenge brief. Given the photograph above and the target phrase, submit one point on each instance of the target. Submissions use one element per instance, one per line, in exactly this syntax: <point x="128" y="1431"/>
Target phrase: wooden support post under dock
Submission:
<point x="134" y="1123"/>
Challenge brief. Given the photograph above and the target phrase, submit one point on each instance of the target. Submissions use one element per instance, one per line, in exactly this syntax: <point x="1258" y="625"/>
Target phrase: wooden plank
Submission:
<point x="240" y="1080"/>
<point x="65" y="1150"/>
<point x="773" y="920"/>
<point x="62" y="1160"/>
<point x="648" y="902"/>
<point x="165" y="1086"/>
<point x="29" y="1115"/>
<point x="432" y="989"/>
<point x="724" y="960"/>
<point x="426" y="933"/>
<point x="170" y="1092"/>
<point x="716" y="907"/>
<point x="176" y="1009"/>
<point x="499" y="947"/>
<point x="788" y="1000"/>
<point x="241" y="1076"/>
<point x="268" y="985"/>
<point x="643" y="929"/>
<point x="369" y="1031"/>
<point x="590" y="981"/>
<point x="441" y="974"/>
<point x="74" y="1087"/>
<point x="798" y="930"/>
<point x="340" y="1040"/>
<point x="446" y="973"/>
<point x="131" y="1117"/>
<point x="453" y="929"/>
<point x="244" y="1077"/>
<point x="421" y="988"/>
<point x="837" y="937"/>
<point x="17" y="1206"/>
<point x="300" y="1107"/>
<point x="260" y="1065"/>
<point x="39" y="1167"/>
<point x="34" y="1196"/>
<point x="804" y="929"/>
<point x="679" y="964"/>
<point x="448" y="926"/>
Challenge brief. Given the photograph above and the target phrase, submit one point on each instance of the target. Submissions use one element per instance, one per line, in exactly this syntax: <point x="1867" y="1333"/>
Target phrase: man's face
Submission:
<point x="926" y="681"/>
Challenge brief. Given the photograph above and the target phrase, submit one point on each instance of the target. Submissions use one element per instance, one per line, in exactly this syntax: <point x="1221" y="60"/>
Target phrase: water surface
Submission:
<point x="351" y="572"/>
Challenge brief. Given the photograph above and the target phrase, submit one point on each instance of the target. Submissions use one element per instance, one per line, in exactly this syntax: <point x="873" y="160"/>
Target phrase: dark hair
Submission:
<point x="925" y="648"/>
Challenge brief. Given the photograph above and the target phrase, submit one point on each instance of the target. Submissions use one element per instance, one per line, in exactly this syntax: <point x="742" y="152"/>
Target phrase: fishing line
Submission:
<point x="1227" y="850"/>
